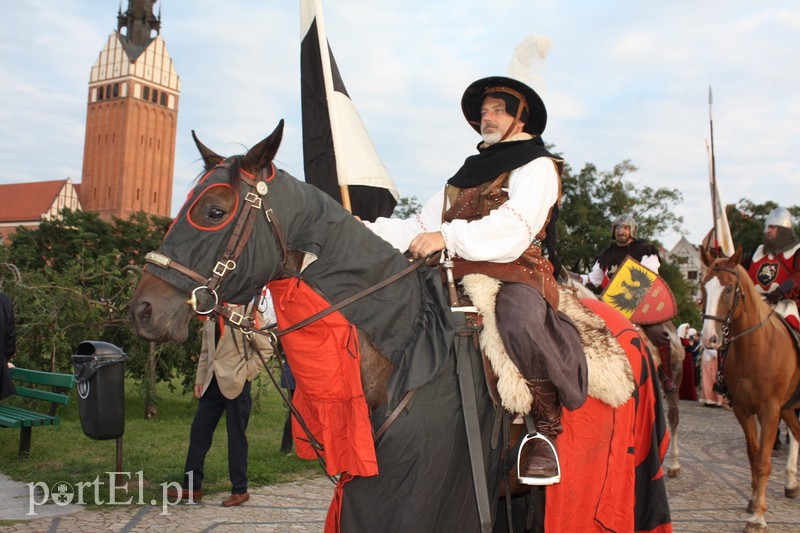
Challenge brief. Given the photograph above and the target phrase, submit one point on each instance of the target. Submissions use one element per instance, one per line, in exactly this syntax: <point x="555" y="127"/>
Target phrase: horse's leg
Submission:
<point x="791" y="489"/>
<point x="748" y="423"/>
<point x="768" y="418"/>
<point x="673" y="415"/>
<point x="673" y="403"/>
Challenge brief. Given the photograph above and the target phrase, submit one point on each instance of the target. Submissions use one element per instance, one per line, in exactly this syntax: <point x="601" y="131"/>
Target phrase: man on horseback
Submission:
<point x="775" y="266"/>
<point x="625" y="244"/>
<point x="492" y="218"/>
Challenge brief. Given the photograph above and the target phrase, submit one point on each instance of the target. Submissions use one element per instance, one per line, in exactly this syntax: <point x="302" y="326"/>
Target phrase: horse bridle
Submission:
<point x="242" y="230"/>
<point x="738" y="295"/>
<point x="256" y="198"/>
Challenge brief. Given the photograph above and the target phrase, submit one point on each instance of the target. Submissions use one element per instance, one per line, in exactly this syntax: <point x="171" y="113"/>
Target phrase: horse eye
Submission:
<point x="216" y="213"/>
<point x="728" y="289"/>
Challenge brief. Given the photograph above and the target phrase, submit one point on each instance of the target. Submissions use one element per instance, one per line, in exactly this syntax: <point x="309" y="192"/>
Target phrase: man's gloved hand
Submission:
<point x="775" y="296"/>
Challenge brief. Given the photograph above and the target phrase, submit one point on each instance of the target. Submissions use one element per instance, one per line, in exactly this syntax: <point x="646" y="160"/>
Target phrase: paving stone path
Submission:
<point x="709" y="496"/>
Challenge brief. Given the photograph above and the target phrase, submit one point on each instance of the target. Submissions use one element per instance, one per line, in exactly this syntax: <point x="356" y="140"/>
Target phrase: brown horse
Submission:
<point x="761" y="369"/>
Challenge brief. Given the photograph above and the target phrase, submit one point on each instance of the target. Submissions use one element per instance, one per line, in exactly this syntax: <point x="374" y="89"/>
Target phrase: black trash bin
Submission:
<point x="100" y="381"/>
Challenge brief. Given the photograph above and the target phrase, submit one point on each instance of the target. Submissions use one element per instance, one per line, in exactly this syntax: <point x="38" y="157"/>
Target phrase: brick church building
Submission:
<point x="131" y="123"/>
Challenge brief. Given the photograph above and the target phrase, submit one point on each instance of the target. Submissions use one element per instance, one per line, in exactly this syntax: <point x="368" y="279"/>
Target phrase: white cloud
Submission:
<point x="624" y="81"/>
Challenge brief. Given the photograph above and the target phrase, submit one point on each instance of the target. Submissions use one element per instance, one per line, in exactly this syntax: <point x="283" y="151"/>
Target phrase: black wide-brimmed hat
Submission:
<point x="503" y="87"/>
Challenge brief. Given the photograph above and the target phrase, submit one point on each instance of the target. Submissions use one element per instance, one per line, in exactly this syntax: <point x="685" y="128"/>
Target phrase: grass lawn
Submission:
<point x="155" y="447"/>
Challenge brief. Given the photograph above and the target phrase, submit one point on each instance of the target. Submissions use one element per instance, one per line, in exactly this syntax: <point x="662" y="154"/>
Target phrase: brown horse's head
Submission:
<point x="728" y="295"/>
<point x="215" y="232"/>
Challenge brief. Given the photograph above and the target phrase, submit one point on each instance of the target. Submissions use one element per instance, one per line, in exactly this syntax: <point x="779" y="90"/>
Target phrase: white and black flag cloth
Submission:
<point x="338" y="155"/>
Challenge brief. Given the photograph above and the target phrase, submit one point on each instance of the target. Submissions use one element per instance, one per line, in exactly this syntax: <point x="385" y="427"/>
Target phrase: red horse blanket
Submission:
<point x="324" y="357"/>
<point x="611" y="477"/>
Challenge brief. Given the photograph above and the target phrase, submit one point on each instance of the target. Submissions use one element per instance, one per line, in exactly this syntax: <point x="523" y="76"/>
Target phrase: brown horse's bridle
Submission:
<point x="738" y="295"/>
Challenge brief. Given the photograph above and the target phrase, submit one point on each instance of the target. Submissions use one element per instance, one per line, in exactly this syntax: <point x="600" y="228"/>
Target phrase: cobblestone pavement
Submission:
<point x="710" y="495"/>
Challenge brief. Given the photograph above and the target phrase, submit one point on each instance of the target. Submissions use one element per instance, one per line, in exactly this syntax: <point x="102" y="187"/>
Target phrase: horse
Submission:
<point x="409" y="421"/>
<point x="761" y="367"/>
<point x="677" y="353"/>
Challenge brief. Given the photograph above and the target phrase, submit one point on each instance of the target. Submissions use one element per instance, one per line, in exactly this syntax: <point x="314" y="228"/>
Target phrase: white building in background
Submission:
<point x="686" y="256"/>
<point x="28" y="204"/>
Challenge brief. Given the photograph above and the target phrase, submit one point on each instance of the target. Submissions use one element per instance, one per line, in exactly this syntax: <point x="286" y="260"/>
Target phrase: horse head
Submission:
<point x="191" y="272"/>
<point x="728" y="296"/>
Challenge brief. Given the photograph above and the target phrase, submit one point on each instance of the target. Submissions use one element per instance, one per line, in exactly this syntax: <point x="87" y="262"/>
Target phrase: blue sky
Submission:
<point x="626" y="81"/>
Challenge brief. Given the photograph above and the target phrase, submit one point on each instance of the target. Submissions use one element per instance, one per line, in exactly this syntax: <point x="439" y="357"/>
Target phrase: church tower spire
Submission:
<point x="139" y="22"/>
<point x="131" y="119"/>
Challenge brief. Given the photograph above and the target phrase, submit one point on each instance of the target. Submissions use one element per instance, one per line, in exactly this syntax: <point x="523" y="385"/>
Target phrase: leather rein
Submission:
<point x="738" y="296"/>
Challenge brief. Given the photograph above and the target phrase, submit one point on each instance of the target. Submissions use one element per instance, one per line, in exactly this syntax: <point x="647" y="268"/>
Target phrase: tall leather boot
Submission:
<point x="665" y="370"/>
<point x="541" y="466"/>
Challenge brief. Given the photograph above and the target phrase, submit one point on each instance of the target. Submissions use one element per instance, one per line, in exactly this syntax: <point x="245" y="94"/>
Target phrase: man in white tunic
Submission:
<point x="493" y="217"/>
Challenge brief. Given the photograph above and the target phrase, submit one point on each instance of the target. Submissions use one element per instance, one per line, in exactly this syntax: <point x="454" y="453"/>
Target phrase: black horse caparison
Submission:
<point x="246" y="224"/>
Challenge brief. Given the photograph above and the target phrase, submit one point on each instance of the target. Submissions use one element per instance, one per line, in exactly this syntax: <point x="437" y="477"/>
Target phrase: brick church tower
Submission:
<point x="131" y="120"/>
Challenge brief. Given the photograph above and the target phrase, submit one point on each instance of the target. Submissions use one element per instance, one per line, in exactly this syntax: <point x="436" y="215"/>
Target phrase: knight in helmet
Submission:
<point x="493" y="217"/>
<point x="775" y="265"/>
<point x="625" y="244"/>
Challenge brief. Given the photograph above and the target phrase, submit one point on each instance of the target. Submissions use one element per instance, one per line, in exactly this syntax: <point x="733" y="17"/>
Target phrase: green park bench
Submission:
<point x="35" y="385"/>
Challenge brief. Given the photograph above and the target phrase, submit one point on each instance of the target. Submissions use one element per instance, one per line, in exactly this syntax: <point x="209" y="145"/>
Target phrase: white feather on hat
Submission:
<point x="528" y="63"/>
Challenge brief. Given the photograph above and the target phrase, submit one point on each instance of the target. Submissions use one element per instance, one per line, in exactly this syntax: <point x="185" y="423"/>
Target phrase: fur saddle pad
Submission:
<point x="610" y="374"/>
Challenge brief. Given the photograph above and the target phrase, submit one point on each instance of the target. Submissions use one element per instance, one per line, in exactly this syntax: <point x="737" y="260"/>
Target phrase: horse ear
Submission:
<point x="737" y="256"/>
<point x="210" y="158"/>
<point x="705" y="256"/>
<point x="264" y="152"/>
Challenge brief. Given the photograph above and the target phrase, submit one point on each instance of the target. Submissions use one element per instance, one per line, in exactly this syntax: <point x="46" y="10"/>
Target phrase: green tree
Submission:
<point x="72" y="279"/>
<point x="747" y="221"/>
<point x="592" y="199"/>
<point x="407" y="207"/>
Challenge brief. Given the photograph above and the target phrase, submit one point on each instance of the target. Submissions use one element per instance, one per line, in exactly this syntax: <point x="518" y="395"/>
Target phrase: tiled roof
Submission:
<point x="27" y="201"/>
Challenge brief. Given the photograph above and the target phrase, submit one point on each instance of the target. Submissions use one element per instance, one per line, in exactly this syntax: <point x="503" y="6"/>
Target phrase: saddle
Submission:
<point x="792" y="331"/>
<point x="609" y="372"/>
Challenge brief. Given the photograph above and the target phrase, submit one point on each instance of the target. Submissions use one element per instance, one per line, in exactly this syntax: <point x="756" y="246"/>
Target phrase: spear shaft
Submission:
<point x="713" y="174"/>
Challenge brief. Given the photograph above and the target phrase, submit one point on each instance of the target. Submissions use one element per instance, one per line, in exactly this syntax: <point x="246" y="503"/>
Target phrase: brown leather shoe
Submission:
<point x="185" y="494"/>
<point x="235" y="499"/>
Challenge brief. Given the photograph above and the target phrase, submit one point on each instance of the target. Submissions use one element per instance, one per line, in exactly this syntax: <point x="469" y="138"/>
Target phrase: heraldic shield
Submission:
<point x="640" y="294"/>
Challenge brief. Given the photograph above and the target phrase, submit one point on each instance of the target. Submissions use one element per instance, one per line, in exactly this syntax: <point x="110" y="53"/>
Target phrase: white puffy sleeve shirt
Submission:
<point x="502" y="235"/>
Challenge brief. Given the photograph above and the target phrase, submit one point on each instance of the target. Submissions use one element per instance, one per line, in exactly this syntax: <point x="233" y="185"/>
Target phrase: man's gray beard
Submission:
<point x="491" y="138"/>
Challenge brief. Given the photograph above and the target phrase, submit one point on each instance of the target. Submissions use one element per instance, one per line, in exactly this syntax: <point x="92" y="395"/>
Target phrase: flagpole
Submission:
<point x="713" y="174"/>
<point x="327" y="75"/>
